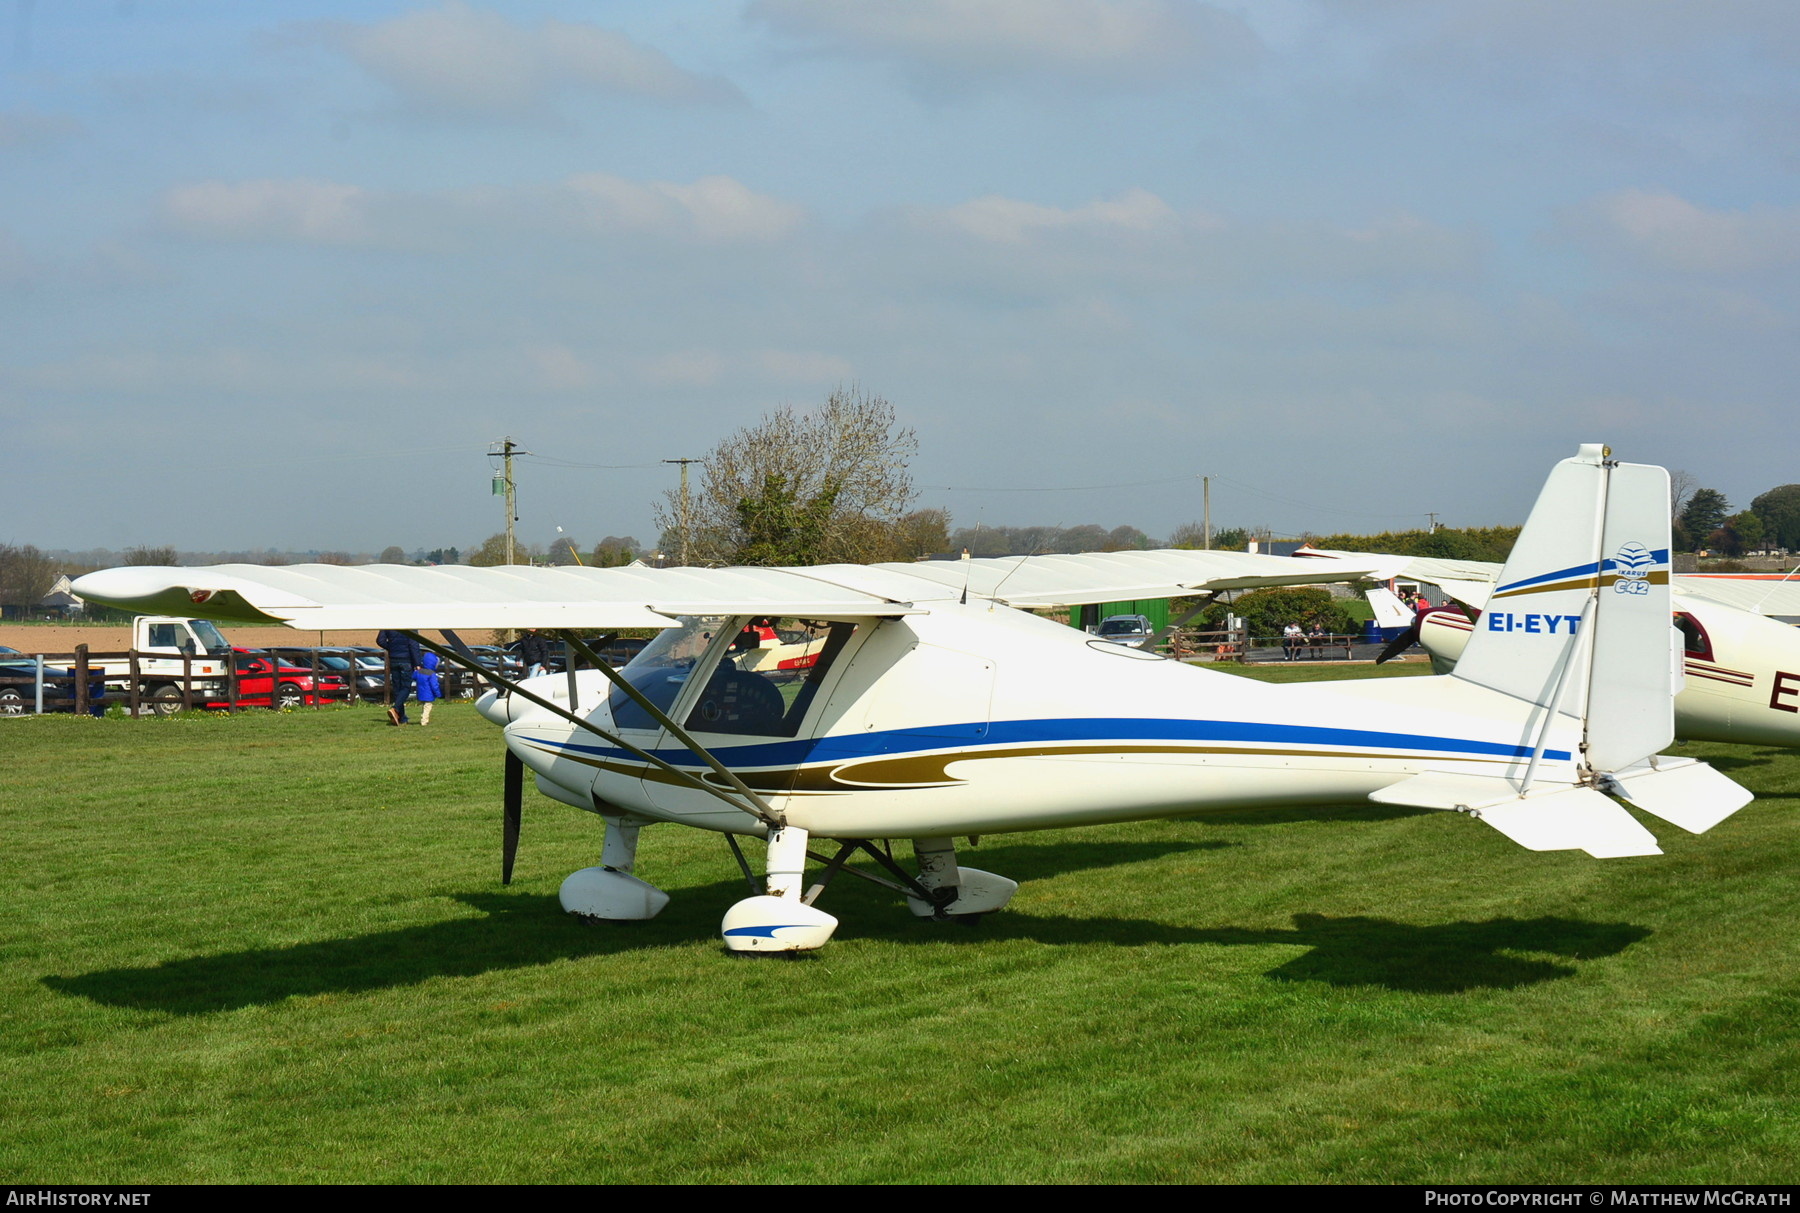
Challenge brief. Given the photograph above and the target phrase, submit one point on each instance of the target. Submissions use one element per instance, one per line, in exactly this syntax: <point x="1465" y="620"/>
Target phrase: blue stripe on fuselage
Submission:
<point x="1070" y="730"/>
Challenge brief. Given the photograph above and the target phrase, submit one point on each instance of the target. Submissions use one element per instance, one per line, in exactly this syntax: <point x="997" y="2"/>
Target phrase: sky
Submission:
<point x="280" y="275"/>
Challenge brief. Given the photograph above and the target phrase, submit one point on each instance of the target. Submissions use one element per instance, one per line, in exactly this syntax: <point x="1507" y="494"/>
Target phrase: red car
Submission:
<point x="261" y="674"/>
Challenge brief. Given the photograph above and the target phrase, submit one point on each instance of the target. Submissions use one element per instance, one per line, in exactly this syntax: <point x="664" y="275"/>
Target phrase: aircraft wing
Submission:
<point x="1073" y="580"/>
<point x="1771" y="597"/>
<point x="323" y="596"/>
<point x="1467" y="581"/>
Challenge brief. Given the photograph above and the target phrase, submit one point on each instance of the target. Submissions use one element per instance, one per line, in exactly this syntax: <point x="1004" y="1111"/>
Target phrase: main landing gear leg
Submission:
<point x="778" y="921"/>
<point x="956" y="892"/>
<point x="610" y="892"/>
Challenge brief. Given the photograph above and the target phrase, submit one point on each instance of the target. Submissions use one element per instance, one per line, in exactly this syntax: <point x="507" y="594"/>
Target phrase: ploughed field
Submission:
<point x="274" y="947"/>
<point x="116" y="638"/>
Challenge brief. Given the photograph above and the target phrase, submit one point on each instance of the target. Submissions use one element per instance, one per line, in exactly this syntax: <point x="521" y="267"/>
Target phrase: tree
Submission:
<point x="1779" y="510"/>
<point x="1126" y="539"/>
<point x="26" y="575"/>
<point x="150" y="556"/>
<point x="775" y="526"/>
<point x="614" y="551"/>
<point x="922" y="533"/>
<point x="1681" y="488"/>
<point x="1266" y="612"/>
<point x="1742" y="532"/>
<point x="807" y="488"/>
<point x="1189" y="535"/>
<point x="1704" y="513"/>
<point x="493" y="551"/>
<point x="565" y="551"/>
<point x="392" y="554"/>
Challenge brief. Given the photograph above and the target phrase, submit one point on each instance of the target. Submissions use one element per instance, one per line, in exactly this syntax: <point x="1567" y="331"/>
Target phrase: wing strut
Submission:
<point x="756" y="808"/>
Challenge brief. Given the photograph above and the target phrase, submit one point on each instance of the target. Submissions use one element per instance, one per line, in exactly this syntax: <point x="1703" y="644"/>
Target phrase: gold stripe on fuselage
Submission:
<point x="918" y="772"/>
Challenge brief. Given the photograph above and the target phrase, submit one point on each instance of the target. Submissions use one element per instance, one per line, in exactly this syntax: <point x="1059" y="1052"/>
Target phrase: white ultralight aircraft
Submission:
<point x="867" y="703"/>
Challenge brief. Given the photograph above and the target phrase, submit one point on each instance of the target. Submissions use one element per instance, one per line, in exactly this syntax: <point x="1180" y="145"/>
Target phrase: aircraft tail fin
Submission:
<point x="1580" y="621"/>
<point x="1579" y="629"/>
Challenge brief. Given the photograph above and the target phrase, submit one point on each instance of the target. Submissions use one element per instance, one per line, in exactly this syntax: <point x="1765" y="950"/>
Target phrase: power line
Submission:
<point x="1074" y="488"/>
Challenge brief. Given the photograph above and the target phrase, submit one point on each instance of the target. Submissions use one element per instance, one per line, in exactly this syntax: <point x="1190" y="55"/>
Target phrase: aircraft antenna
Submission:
<point x="994" y="594"/>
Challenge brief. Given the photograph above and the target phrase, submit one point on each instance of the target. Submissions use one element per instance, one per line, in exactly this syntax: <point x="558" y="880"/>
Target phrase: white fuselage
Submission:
<point x="971" y="719"/>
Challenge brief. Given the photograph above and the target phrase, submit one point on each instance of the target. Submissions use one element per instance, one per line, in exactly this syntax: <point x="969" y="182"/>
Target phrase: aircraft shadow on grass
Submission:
<point x="1745" y="764"/>
<point x="523" y="930"/>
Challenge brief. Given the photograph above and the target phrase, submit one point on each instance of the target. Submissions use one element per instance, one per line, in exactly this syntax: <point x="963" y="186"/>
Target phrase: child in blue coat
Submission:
<point x="427" y="687"/>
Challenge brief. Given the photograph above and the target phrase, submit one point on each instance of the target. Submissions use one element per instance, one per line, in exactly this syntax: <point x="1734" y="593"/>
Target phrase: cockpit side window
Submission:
<point x="769" y="677"/>
<point x="1695" y="642"/>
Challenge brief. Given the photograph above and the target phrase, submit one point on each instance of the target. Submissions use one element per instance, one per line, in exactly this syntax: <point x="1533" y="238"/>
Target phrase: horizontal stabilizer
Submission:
<point x="1443" y="790"/>
<point x="1556" y="817"/>
<point x="1680" y="791"/>
<point x="1389" y="611"/>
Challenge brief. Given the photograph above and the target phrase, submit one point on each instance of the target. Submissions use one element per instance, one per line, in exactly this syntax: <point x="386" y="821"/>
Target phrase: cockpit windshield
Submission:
<point x="762" y="675"/>
<point x="661" y="669"/>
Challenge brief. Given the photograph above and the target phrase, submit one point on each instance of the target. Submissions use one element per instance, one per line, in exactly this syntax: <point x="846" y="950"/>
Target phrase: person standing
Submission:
<point x="427" y="686"/>
<point x="534" y="651"/>
<point x="404" y="656"/>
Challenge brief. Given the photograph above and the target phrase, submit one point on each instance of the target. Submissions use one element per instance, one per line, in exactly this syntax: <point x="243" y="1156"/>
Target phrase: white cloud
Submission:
<point x="701" y="368"/>
<point x="558" y="368"/>
<point x="1138" y="239"/>
<point x="712" y="209"/>
<point x="460" y="59"/>
<point x="298" y="211"/>
<point x="683" y="368"/>
<point x="1012" y="220"/>
<point x="1121" y="42"/>
<point x="709" y="211"/>
<point x="1667" y="229"/>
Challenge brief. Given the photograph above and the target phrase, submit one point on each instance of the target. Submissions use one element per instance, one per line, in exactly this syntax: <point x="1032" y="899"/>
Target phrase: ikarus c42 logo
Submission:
<point x="1633" y="563"/>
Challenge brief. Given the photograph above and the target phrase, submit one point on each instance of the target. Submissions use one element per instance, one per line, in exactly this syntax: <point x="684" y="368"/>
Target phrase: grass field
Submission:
<point x="276" y="948"/>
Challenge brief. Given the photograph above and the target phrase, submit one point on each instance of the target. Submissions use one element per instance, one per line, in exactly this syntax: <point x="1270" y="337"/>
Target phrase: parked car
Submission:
<point x="497" y="659"/>
<point x="270" y="680"/>
<point x="18" y="686"/>
<point x="1129" y="630"/>
<point x="618" y="653"/>
<point x="365" y="676"/>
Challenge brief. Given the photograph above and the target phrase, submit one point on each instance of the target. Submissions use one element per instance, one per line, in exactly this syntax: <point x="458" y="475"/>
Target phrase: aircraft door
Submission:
<point x="754" y="704"/>
<point x="662" y="673"/>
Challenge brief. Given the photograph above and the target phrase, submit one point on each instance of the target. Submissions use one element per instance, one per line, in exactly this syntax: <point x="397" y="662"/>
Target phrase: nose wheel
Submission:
<point x="778" y="920"/>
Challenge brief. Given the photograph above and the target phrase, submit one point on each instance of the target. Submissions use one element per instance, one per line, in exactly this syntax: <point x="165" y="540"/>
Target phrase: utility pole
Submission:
<point x="684" y="504"/>
<point x="1432" y="519"/>
<point x="503" y="486"/>
<point x="1206" y="507"/>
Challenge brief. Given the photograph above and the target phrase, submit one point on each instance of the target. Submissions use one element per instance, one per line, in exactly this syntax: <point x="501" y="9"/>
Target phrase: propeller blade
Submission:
<point x="512" y="798"/>
<point x="1402" y="642"/>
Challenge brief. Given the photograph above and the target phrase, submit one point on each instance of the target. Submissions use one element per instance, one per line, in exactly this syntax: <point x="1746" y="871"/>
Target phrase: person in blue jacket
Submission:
<point x="404" y="656"/>
<point x="427" y="686"/>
